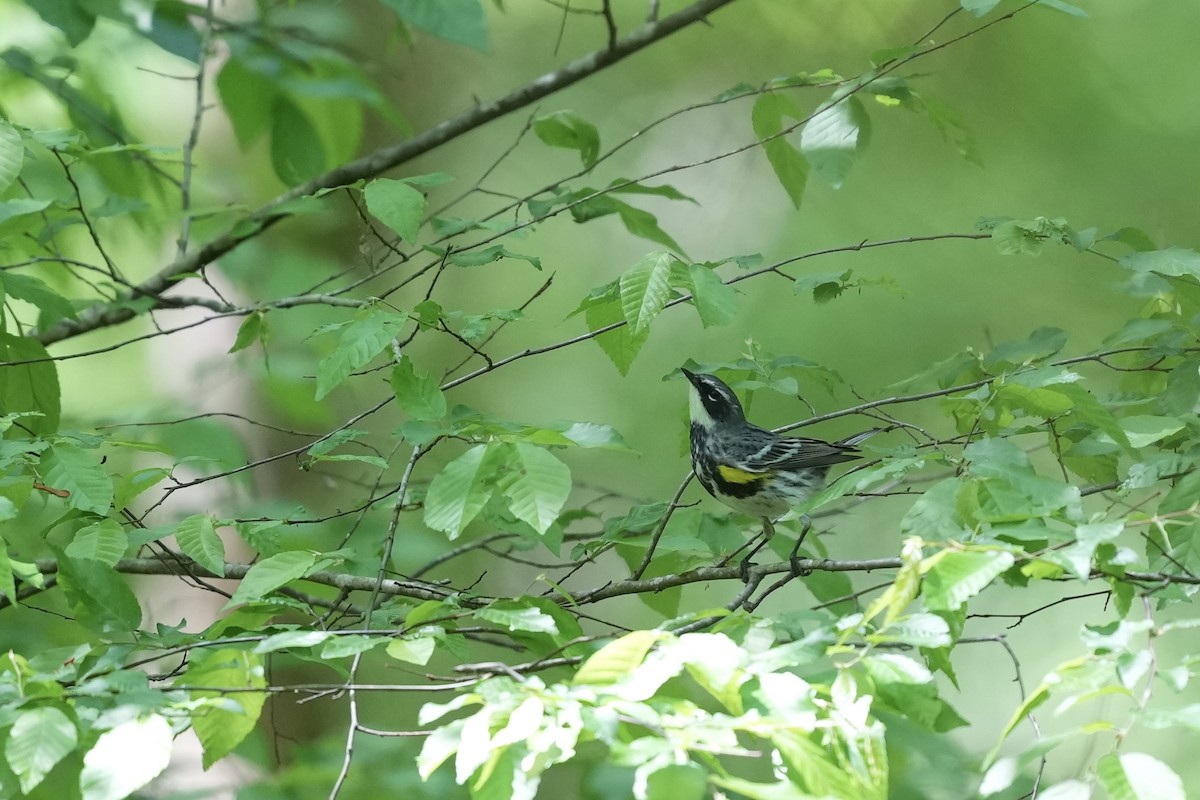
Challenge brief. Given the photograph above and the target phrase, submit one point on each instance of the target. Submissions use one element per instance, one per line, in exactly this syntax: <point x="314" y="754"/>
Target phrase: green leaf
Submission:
<point x="715" y="300"/>
<point x="617" y="659"/>
<point x="373" y="329"/>
<point x="1040" y="345"/>
<point x="104" y="541"/>
<point x="568" y="129"/>
<point x="126" y="758"/>
<point x="198" y="539"/>
<point x="954" y="576"/>
<point x="1087" y="410"/>
<point x="415" y="650"/>
<point x="460" y="491"/>
<point x="1137" y="776"/>
<point x="487" y="255"/>
<point x="1172" y="261"/>
<point x="223" y="724"/>
<point x="39" y="739"/>
<point x="29" y="387"/>
<point x="78" y="471"/>
<point x="834" y="136"/>
<point x="34" y="291"/>
<point x="269" y="574"/>
<point x="292" y="640"/>
<point x="296" y="150"/>
<point x="397" y="205"/>
<point x="21" y="207"/>
<point x="1145" y="430"/>
<point x="99" y="597"/>
<point x="645" y="289"/>
<point x="516" y="615"/>
<point x="458" y="21"/>
<point x="621" y="344"/>
<point x="245" y="93"/>
<point x="537" y="485"/>
<point x="419" y="395"/>
<point x="790" y="165"/>
<point x="253" y="329"/>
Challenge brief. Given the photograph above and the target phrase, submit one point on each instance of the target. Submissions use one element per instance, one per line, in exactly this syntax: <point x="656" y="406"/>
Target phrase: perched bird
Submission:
<point x="750" y="469"/>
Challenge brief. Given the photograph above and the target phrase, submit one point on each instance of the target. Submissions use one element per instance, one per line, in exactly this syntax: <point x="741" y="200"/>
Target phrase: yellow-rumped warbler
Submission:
<point x="750" y="469"/>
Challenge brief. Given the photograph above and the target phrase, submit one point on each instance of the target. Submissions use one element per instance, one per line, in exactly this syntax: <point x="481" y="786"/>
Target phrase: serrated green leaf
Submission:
<point x="78" y="471"/>
<point x="1137" y="776"/>
<point x="104" y="541"/>
<point x="419" y="395"/>
<point x="39" y="739"/>
<point x="269" y="574"/>
<point x="954" y="576"/>
<point x="487" y="255"/>
<point x="833" y="137"/>
<point x="373" y="329"/>
<point x="645" y="289"/>
<point x="536" y="483"/>
<point x="288" y="640"/>
<point x="416" y="650"/>
<point x="1090" y="411"/>
<point x="1147" y="429"/>
<point x="231" y="716"/>
<point x="516" y="615"/>
<point x="21" y="207"/>
<point x="198" y="539"/>
<point x="126" y="758"/>
<point x="342" y="646"/>
<point x="98" y="596"/>
<point x="617" y="659"/>
<point x="790" y="165"/>
<point x="397" y="205"/>
<point x="1172" y="261"/>
<point x="12" y="153"/>
<point x="462" y="488"/>
<point x="621" y="344"/>
<point x="715" y="300"/>
<point x="35" y="291"/>
<point x="459" y="21"/>
<point x="568" y="129"/>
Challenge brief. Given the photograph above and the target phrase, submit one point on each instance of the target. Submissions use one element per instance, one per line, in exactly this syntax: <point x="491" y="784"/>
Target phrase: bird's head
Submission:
<point x="712" y="401"/>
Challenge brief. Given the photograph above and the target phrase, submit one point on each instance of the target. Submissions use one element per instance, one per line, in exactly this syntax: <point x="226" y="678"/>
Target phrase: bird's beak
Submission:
<point x="691" y="376"/>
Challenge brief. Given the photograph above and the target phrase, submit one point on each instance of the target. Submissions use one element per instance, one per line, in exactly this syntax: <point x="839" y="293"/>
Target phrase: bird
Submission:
<point x="751" y="469"/>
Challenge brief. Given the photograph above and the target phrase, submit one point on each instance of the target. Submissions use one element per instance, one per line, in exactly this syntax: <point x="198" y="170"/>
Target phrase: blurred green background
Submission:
<point x="1092" y="119"/>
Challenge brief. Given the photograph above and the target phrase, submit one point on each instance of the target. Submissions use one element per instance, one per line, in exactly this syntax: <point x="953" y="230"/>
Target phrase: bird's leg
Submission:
<point x="767" y="532"/>
<point x="793" y="557"/>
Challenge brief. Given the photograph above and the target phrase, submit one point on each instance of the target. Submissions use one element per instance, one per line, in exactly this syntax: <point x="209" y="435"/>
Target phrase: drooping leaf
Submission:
<point x="568" y="129"/>
<point x="103" y="541"/>
<point x="537" y="485"/>
<point x="397" y="205"/>
<point x="297" y="153"/>
<point x="954" y="576"/>
<point x="645" y="289"/>
<point x="835" y="135"/>
<point x="460" y="491"/>
<point x="39" y="739"/>
<point x="126" y="758"/>
<point x="78" y="471"/>
<point x="12" y="154"/>
<point x="272" y="572"/>
<point x="790" y="165"/>
<point x="458" y="21"/>
<point x="373" y="329"/>
<point x="198" y="539"/>
<point x="98" y="596"/>
<point x="617" y="659"/>
<point x="1138" y="776"/>
<point x="419" y="395"/>
<point x="223" y="724"/>
<point x="715" y="300"/>
<point x="29" y="386"/>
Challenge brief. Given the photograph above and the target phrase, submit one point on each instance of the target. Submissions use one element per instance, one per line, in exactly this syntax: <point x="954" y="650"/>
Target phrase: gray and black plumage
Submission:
<point x="748" y="468"/>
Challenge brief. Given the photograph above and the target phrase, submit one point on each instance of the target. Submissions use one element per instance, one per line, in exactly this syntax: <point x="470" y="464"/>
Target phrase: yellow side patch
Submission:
<point x="734" y="475"/>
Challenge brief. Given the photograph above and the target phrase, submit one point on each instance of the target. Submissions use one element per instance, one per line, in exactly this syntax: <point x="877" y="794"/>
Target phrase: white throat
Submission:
<point x="700" y="414"/>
